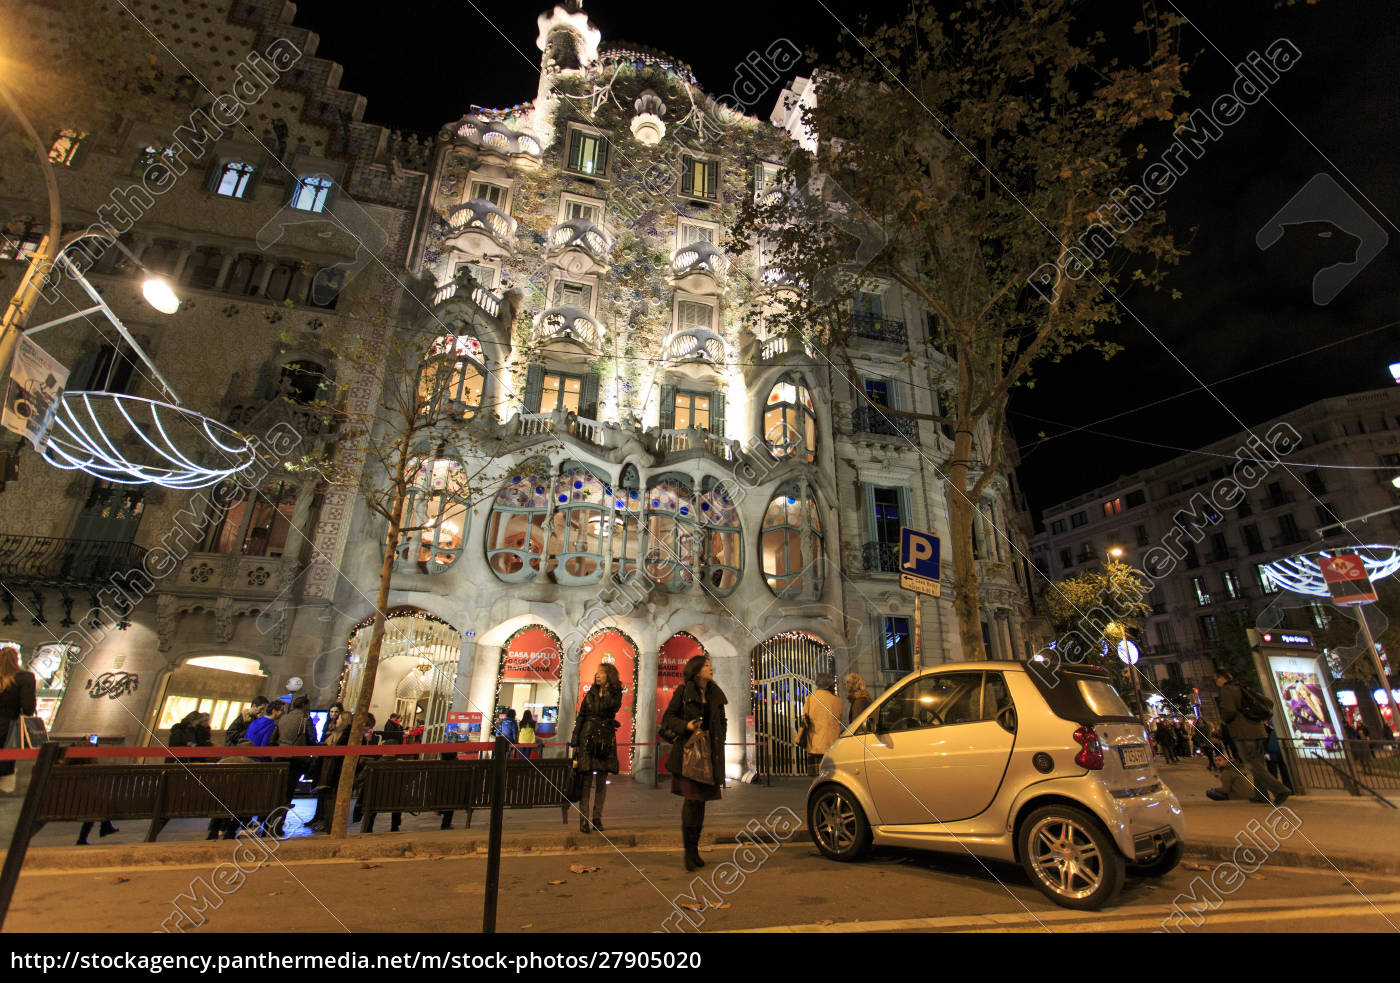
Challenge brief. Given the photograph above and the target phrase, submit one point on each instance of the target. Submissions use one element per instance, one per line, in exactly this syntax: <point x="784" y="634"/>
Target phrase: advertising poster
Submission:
<point x="1306" y="705"/>
<point x="31" y="399"/>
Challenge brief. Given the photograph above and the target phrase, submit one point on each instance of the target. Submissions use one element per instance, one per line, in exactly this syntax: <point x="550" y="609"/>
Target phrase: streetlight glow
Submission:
<point x="159" y="295"/>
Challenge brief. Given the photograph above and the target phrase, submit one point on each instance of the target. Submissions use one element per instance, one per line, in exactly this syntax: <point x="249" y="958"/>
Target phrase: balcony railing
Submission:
<point x="878" y="328"/>
<point x="700" y="260"/>
<point x="777" y="347"/>
<point x="480" y="218"/>
<point x="43" y="560"/>
<point x="693" y="345"/>
<point x="869" y="420"/>
<point x="678" y="441"/>
<point x="582" y="236"/>
<point x="569" y="324"/>
<point x="496" y="136"/>
<point x="880" y="557"/>
<point x="471" y="291"/>
<point x="563" y="422"/>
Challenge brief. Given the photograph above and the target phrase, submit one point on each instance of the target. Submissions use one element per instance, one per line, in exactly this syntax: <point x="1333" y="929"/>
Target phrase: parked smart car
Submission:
<point x="1006" y="761"/>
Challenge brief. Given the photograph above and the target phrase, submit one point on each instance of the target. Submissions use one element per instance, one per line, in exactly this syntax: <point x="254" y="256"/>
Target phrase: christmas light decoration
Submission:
<point x="1302" y="575"/>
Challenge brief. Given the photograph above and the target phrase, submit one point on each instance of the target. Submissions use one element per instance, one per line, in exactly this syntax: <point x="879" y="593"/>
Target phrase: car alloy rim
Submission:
<point x="1065" y="857"/>
<point x="836" y="822"/>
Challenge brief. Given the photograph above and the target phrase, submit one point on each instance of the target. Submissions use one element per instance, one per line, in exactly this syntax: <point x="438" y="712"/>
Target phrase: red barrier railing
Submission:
<point x="276" y="751"/>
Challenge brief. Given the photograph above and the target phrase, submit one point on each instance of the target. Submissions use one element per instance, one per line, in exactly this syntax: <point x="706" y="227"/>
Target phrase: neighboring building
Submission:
<point x="667" y="480"/>
<point x="135" y="603"/>
<point x="1205" y="544"/>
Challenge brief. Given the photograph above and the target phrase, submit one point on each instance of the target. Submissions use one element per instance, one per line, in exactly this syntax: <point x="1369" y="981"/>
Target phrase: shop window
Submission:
<point x="789" y="421"/>
<point x="435" y="515"/>
<point x="672" y="534"/>
<point x="576" y="528"/>
<point x="63" y="150"/>
<point x="312" y="192"/>
<point x="724" y="549"/>
<point x="627" y="525"/>
<point x="515" y="537"/>
<point x="453" y="373"/>
<point x="794" y="560"/>
<point x="253" y="524"/>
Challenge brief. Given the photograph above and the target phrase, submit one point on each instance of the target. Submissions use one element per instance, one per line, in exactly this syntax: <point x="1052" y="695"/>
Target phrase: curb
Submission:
<point x="1354" y="863"/>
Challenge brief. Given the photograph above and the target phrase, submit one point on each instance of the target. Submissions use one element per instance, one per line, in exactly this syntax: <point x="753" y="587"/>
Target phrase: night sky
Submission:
<point x="1242" y="308"/>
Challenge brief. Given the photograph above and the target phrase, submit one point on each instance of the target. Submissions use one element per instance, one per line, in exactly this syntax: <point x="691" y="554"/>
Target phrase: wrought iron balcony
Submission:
<point x="481" y="228"/>
<point x="700" y="267"/>
<point x="869" y="420"/>
<point x="693" y="345"/>
<point x="879" y="557"/>
<point x="65" y="563"/>
<point x="878" y="328"/>
<point x="579" y="246"/>
<point x="569" y="324"/>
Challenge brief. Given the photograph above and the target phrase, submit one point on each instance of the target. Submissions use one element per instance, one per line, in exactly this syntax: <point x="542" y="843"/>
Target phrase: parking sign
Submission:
<point x="918" y="561"/>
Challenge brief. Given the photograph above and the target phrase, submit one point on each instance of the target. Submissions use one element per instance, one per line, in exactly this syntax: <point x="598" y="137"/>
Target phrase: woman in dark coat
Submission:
<point x="696" y="706"/>
<point x="595" y="742"/>
<point x="16" y="700"/>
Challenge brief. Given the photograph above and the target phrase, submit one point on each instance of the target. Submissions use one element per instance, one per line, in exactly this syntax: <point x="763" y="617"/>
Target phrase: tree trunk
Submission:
<point x="340" y="821"/>
<point x="961" y="513"/>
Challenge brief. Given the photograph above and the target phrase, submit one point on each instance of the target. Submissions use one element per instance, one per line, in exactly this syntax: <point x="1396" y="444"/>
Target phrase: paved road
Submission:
<point x="793" y="890"/>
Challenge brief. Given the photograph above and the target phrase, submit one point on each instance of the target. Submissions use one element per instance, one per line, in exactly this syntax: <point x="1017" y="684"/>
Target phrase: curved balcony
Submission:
<point x="481" y="229"/>
<point x="693" y="345"/>
<point x="473" y="293"/>
<point x="782" y="347"/>
<point x="495" y="136"/>
<point x="568" y="324"/>
<point x="699" y="267"/>
<point x="580" y="247"/>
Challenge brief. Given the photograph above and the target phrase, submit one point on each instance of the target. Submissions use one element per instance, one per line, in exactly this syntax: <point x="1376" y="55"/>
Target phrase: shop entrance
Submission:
<point x="675" y="652"/>
<point x="219" y="685"/>
<point x="528" y="678"/>
<point x="416" y="675"/>
<point x="616" y="648"/>
<point x="785" y="670"/>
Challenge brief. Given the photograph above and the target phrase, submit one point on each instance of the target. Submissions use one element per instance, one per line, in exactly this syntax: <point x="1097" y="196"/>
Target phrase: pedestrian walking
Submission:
<point x="857" y="695"/>
<point x="16" y="701"/>
<point x="696" y="710"/>
<point x="821" y="716"/>
<point x="595" y="743"/>
<point x="1166" y="746"/>
<point x="1249" y="736"/>
<point x="237" y="728"/>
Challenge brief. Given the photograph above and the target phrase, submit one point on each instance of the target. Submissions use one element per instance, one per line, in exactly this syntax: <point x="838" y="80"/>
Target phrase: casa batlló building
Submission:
<point x="634" y="472"/>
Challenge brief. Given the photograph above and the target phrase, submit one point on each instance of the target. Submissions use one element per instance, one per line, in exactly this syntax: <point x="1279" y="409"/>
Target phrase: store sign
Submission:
<point x="1347" y="580"/>
<point x="670" y="669"/>
<point x="532" y="665"/>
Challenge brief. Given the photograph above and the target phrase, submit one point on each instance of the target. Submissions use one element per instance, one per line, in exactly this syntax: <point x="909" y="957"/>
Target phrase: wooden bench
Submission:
<point x="441" y="786"/>
<point x="161" y="792"/>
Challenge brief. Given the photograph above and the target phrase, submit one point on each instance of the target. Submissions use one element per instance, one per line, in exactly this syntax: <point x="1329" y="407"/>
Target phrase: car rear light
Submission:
<point x="1090" y="750"/>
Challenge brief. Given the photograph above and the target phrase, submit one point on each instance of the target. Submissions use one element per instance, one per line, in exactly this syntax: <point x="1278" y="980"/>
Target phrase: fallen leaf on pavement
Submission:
<point x="556" y="882"/>
<point x="370" y="866"/>
<point x="1195" y="866"/>
<point x="123" y="880"/>
<point x="722" y="904"/>
<point x="582" y="869"/>
<point x="826" y="921"/>
<point x="692" y="907"/>
<point x="528" y="925"/>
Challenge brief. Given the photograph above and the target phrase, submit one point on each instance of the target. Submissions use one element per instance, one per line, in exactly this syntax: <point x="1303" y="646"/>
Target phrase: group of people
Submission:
<point x="821" y="714"/>
<point x="1177" y="739"/>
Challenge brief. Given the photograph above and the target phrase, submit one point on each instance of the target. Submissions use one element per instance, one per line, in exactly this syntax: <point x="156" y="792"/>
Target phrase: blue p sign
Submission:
<point x="918" y="553"/>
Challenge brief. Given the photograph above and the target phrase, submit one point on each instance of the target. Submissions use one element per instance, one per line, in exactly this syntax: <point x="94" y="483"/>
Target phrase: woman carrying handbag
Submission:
<point x="595" y="743"/>
<point x="695" y="724"/>
<point x="16" y="702"/>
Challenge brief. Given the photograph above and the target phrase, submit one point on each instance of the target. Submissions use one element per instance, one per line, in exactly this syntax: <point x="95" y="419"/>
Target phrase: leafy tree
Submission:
<point x="1094" y="611"/>
<point x="959" y="154"/>
<point x="1180" y="696"/>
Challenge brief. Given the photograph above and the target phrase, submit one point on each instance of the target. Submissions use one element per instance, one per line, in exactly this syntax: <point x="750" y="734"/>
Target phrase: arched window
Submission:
<point x="311" y="192"/>
<point x="672" y="534"/>
<point x="794" y="560"/>
<point x="576" y="529"/>
<point x="515" y="538"/>
<point x="203" y="268"/>
<point x="724" y="549"/>
<point x="789" y="422"/>
<point x="454" y="372"/>
<point x="627" y="524"/>
<point x="435" y="515"/>
<point x="234" y="179"/>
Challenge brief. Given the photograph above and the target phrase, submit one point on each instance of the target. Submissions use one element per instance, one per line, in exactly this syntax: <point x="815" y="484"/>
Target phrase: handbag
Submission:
<point x="696" y="763"/>
<point x="573" y="788"/>
<point x="21" y="735"/>
<point x="804" y="733"/>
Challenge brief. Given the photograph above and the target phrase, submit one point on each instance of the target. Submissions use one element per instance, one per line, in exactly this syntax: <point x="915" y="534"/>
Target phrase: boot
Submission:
<point x="107" y="829"/>
<point x="691" y="836"/>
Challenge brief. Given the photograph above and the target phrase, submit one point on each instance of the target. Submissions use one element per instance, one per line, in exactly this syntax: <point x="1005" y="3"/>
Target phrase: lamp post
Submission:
<point x="1125" y="649"/>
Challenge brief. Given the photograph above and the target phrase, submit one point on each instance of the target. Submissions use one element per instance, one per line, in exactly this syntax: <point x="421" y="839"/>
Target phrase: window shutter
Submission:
<point x="904" y="513"/>
<point x="892" y="399"/>
<point x="534" y="388"/>
<point x="870" y="532"/>
<point x="290" y="187"/>
<point x="717" y="414"/>
<point x="588" y="396"/>
<point x="575" y="151"/>
<point x="253" y="180"/>
<point x="602" y="169"/>
<point x="687" y="175"/>
<point x="712" y="179"/>
<point x="668" y="408"/>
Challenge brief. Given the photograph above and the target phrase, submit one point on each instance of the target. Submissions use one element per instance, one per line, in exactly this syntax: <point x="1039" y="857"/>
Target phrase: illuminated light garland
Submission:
<point x="1301" y="574"/>
<point x="77" y="440"/>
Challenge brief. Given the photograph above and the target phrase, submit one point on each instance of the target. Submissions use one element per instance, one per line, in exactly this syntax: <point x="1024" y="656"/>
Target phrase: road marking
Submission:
<point x="1131" y="918"/>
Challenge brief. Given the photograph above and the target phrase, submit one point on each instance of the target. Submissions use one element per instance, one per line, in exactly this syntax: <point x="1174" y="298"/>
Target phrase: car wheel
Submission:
<point x="837" y="824"/>
<point x="1163" y="865"/>
<point x="1068" y="855"/>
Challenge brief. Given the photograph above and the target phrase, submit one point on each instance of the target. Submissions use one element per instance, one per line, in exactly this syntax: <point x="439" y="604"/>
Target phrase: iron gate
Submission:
<point x="785" y="669"/>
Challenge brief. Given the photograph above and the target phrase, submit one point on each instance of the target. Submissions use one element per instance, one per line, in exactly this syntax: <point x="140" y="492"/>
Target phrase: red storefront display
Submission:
<point x="613" y="647"/>
<point x="530" y="677"/>
<point x="676" y="651"/>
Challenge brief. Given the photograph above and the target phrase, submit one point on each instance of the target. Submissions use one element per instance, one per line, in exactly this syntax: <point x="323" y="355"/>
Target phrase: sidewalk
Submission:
<point x="1354" y="834"/>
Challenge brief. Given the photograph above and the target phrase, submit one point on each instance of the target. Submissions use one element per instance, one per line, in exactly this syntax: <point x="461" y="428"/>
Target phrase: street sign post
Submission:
<point x="919" y="572"/>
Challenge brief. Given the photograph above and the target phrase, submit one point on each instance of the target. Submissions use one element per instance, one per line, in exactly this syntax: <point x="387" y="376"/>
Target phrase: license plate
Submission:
<point x="1135" y="756"/>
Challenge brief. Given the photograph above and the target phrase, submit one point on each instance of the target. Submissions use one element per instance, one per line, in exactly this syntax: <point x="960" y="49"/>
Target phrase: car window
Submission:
<point x="932" y="701"/>
<point x="995" y="696"/>
<point x="1101" y="698"/>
